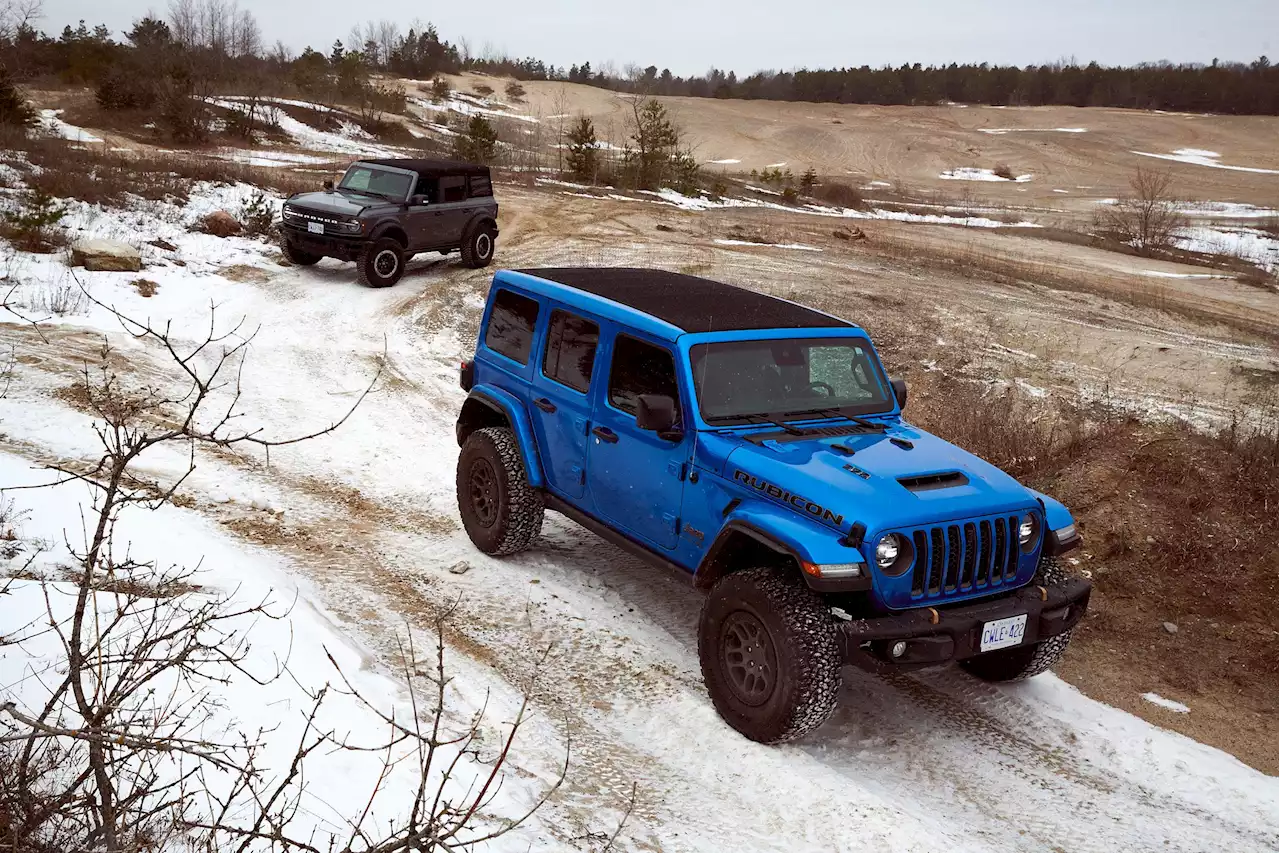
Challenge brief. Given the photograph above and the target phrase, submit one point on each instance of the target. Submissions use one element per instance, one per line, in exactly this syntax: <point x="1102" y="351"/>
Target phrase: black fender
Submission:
<point x="480" y="220"/>
<point x="718" y="560"/>
<point x="390" y="228"/>
<point x="512" y="414"/>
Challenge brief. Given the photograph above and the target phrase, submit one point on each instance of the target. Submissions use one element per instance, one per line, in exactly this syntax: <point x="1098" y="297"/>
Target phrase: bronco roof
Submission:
<point x="686" y="301"/>
<point x="431" y="168"/>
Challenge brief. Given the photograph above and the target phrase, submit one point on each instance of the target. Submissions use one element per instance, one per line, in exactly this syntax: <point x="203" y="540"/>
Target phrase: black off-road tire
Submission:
<point x="501" y="512"/>
<point x="800" y="693"/>
<point x="382" y="264"/>
<point x="478" y="246"/>
<point x="1022" y="662"/>
<point x="297" y="256"/>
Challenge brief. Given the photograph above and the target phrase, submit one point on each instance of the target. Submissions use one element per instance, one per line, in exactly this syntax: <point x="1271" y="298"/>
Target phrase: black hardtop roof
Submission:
<point x="688" y="302"/>
<point x="431" y="168"/>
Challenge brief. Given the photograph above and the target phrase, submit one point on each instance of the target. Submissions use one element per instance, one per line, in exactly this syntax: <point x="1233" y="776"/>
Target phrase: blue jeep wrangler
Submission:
<point x="757" y="448"/>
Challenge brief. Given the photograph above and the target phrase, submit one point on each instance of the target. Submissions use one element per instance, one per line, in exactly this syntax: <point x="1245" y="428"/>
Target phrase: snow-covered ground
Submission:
<point x="369" y="531"/>
<point x="999" y="131"/>
<point x="1248" y="244"/>
<point x="1201" y="157"/>
<point x="350" y="139"/>
<point x="970" y="173"/>
<point x="51" y="123"/>
<point x="797" y="246"/>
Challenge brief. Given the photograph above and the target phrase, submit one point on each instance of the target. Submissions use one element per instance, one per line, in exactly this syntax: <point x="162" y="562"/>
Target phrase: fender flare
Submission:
<point x="513" y="409"/>
<point x="383" y="228"/>
<point x="706" y="574"/>
<point x="479" y="219"/>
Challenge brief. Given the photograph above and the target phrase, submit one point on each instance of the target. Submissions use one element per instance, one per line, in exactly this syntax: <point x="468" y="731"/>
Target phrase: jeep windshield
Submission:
<point x="746" y="382"/>
<point x="371" y="180"/>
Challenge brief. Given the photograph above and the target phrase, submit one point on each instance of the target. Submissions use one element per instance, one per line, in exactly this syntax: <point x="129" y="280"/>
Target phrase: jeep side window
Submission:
<point x="453" y="188"/>
<point x="481" y="186"/>
<point x="511" y="325"/>
<point x="639" y="368"/>
<point x="571" y="350"/>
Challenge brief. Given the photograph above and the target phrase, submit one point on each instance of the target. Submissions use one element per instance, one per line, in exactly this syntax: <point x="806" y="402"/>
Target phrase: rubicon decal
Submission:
<point x="780" y="494"/>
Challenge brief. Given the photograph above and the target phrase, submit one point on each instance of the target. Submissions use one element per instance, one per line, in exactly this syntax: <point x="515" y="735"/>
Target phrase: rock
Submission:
<point x="1170" y="627"/>
<point x="459" y="568"/>
<point x="1151" y="540"/>
<point x="850" y="233"/>
<point x="221" y="224"/>
<point x="163" y="244"/>
<point x="95" y="253"/>
<point x="666" y="228"/>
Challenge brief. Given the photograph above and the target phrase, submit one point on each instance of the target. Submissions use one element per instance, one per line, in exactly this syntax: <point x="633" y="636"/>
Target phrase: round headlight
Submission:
<point x="1027" y="529"/>
<point x="887" y="550"/>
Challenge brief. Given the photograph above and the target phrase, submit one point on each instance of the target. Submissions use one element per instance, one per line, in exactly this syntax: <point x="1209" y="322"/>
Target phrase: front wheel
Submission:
<point x="382" y="264"/>
<point x="1022" y="662"/>
<point x="501" y="512"/>
<point x="477" y="248"/>
<point x="296" y="255"/>
<point x="767" y="644"/>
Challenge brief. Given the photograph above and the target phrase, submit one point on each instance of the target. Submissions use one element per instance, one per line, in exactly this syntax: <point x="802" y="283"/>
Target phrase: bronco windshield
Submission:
<point x="738" y="381"/>
<point x="374" y="181"/>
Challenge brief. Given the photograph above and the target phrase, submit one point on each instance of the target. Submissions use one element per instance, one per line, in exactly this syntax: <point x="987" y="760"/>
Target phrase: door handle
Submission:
<point x="545" y="404"/>
<point x="605" y="434"/>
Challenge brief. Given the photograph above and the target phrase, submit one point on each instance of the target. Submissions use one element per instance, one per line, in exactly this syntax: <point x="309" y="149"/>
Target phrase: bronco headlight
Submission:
<point x="289" y="213"/>
<point x="351" y="227"/>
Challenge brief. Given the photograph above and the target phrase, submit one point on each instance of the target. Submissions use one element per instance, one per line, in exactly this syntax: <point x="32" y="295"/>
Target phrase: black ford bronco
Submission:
<point x="383" y="212"/>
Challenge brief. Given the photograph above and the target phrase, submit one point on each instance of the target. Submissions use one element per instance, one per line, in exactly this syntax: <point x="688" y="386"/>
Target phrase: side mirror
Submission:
<point x="900" y="391"/>
<point x="417" y="200"/>
<point x="328" y="185"/>
<point x="656" y="413"/>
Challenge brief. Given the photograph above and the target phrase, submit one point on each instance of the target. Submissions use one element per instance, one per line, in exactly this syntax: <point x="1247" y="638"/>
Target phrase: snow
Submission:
<point x="52" y="124"/>
<point x="727" y="162"/>
<point x="1249" y="244"/>
<point x="969" y="173"/>
<point x="923" y="761"/>
<point x="274" y="159"/>
<point x="877" y="184"/>
<point x="1064" y="192"/>
<point x="460" y="102"/>
<point x="1161" y="274"/>
<point x="1227" y="210"/>
<point x="351" y="139"/>
<point x="1157" y="699"/>
<point x="776" y="165"/>
<point x="997" y="131"/>
<point x="1201" y="157"/>
<point x="799" y="246"/>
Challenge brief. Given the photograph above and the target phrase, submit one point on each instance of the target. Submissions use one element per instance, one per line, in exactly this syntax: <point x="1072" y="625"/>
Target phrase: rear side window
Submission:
<point x="511" y="325"/>
<point x="571" y="350"/>
<point x="453" y="188"/>
<point x="639" y="368"/>
<point x="481" y="186"/>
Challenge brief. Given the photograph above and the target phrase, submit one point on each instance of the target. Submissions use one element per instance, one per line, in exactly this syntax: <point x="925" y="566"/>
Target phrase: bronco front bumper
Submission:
<point x="935" y="635"/>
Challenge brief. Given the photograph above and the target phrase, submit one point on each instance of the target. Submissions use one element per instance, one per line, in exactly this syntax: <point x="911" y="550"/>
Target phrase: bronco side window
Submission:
<point x="640" y="368"/>
<point x="511" y="325"/>
<point x="571" y="350"/>
<point x="481" y="186"/>
<point x="453" y="188"/>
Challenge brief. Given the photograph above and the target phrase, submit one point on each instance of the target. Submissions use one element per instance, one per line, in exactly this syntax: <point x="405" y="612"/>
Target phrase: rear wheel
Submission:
<point x="501" y="512"/>
<point x="1023" y="662"/>
<point x="296" y="255"/>
<point x="382" y="264"/>
<point x="767" y="644"/>
<point x="477" y="248"/>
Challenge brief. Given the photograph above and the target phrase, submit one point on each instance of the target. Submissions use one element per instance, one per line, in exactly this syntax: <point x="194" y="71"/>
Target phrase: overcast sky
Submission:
<point x="690" y="36"/>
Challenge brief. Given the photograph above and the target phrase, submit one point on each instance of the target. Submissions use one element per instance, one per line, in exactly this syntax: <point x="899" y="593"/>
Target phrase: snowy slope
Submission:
<point x="932" y="761"/>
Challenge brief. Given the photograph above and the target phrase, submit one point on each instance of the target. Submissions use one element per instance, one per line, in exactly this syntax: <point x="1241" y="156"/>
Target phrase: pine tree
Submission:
<point x="14" y="109"/>
<point x="583" y="158"/>
<point x="479" y="144"/>
<point x="808" y="181"/>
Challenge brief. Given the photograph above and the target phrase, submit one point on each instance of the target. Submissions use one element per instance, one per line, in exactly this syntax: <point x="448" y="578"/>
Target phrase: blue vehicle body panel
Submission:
<point x="825" y="499"/>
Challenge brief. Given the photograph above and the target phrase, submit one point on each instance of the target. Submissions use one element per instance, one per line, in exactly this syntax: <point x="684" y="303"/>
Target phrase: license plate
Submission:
<point x="1003" y="633"/>
<point x="315" y="227"/>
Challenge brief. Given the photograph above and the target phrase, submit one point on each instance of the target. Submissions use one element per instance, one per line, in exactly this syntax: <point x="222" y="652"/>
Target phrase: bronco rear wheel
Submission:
<point x="501" y="512"/>
<point x="382" y="264"/>
<point x="1022" y="662"/>
<point x="477" y="246"/>
<point x="767" y="644"/>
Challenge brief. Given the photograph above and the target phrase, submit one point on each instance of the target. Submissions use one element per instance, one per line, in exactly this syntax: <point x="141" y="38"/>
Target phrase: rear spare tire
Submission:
<point x="767" y="644"/>
<point x="382" y="263"/>
<point x="501" y="512"/>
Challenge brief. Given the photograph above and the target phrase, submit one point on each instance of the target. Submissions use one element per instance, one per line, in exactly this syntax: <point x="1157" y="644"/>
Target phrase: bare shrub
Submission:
<point x="515" y="91"/>
<point x="484" y="90"/>
<point x="1003" y="171"/>
<point x="60" y="298"/>
<point x="1148" y="218"/>
<point x="838" y="194"/>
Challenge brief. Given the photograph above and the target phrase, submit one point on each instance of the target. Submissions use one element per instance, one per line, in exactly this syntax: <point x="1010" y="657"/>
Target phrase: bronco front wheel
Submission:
<point x="382" y="264"/>
<point x="767" y="644"/>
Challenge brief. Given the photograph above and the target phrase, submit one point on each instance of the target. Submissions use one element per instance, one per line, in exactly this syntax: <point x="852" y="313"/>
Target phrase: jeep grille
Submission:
<point x="961" y="557"/>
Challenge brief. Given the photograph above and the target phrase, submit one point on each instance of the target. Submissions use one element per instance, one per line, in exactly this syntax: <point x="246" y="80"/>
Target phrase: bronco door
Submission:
<point x="636" y="477"/>
<point x="560" y="396"/>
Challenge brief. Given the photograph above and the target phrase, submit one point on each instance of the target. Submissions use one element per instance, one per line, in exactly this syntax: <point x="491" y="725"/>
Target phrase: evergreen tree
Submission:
<point x="14" y="109"/>
<point x="479" y="144"/>
<point x="583" y="159"/>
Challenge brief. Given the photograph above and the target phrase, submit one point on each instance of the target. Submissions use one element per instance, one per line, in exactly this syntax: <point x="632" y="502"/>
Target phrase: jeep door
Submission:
<point x="636" y="478"/>
<point x="560" y="394"/>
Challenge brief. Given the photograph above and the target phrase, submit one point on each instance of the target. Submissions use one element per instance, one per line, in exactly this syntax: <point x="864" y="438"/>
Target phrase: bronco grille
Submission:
<point x="958" y="558"/>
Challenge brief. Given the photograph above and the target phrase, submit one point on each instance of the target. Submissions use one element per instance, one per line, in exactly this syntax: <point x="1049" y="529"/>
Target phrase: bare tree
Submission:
<point x="116" y="756"/>
<point x="560" y="103"/>
<point x="18" y="14"/>
<point x="1148" y="218"/>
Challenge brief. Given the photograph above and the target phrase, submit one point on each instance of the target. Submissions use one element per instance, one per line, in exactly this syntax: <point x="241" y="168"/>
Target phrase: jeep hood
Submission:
<point x="334" y="203"/>
<point x="890" y="479"/>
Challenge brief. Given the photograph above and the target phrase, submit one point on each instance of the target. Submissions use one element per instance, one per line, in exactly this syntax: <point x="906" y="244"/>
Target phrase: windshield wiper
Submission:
<point x="758" y="418"/>
<point x="836" y="413"/>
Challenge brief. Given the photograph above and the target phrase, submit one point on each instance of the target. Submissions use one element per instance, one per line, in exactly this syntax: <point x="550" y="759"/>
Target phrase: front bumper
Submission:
<point x="939" y="635"/>
<point x="329" y="245"/>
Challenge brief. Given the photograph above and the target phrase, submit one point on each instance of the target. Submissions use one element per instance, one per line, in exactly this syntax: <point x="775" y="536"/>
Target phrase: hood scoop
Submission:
<point x="932" y="482"/>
